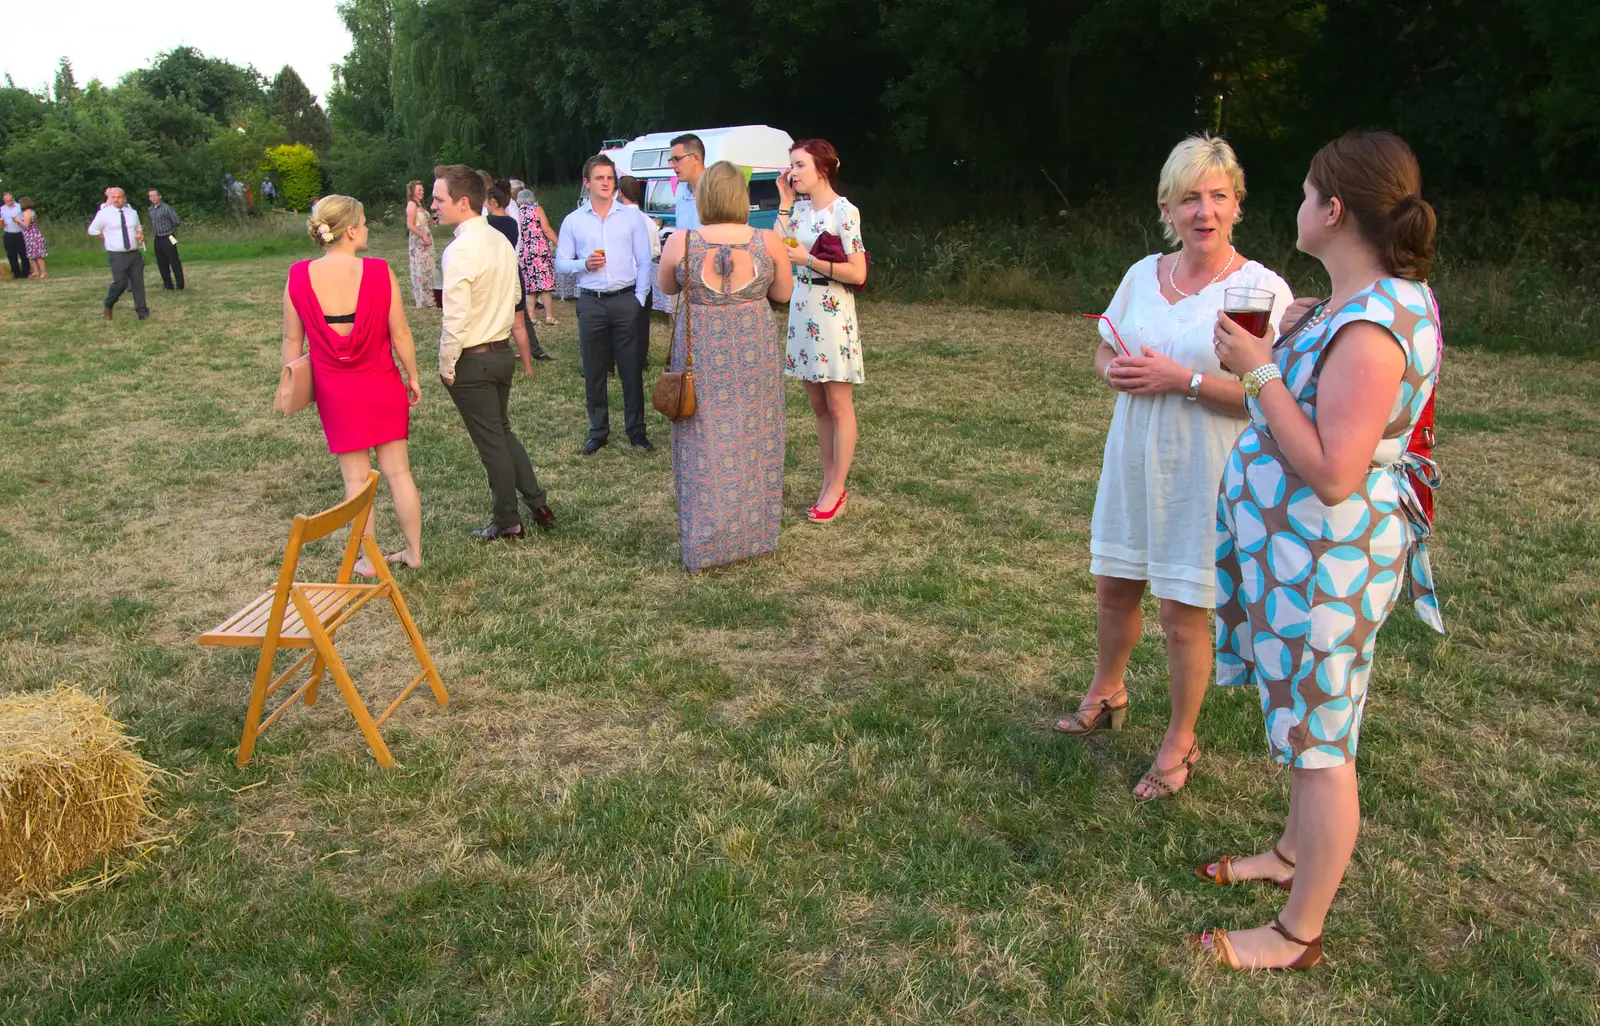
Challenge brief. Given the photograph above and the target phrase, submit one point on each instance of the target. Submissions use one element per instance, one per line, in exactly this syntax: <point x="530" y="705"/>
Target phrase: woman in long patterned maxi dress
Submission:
<point x="1318" y="519"/>
<point x="419" y="245"/>
<point x="727" y="459"/>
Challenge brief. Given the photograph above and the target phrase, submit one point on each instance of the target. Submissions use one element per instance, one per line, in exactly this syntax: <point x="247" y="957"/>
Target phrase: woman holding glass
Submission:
<point x="1318" y="521"/>
<point x="1177" y="413"/>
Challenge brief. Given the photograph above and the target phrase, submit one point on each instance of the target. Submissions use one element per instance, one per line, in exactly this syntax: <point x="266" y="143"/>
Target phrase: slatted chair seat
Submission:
<point x="307" y="615"/>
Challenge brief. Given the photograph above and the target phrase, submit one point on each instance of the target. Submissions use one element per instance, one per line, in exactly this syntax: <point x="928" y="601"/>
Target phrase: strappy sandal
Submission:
<point x="1100" y="716"/>
<point x="1225" y="876"/>
<point x="1160" y="780"/>
<point x="1222" y="949"/>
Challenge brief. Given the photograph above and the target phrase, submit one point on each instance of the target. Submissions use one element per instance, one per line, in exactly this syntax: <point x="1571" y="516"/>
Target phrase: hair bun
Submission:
<point x="1406" y="205"/>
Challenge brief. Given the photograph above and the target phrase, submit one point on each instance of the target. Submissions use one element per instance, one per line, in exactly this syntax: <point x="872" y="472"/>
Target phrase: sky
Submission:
<point x="106" y="39"/>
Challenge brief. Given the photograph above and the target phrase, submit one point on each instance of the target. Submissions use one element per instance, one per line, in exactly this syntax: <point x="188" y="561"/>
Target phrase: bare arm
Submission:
<point x="544" y="223"/>
<point x="405" y="348"/>
<point x="783" y="273"/>
<point x="519" y="334"/>
<point x="671" y="256"/>
<point x="294" y="333"/>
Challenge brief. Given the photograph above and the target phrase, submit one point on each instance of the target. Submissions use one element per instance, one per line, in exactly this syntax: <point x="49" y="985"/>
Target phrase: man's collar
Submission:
<point x="463" y="225"/>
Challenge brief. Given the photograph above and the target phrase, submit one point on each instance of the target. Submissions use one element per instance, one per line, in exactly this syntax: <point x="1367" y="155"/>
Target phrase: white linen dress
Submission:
<point x="1155" y="513"/>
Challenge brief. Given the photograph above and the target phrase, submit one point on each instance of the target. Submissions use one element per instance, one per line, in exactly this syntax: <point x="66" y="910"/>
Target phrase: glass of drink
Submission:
<point x="1251" y="309"/>
<point x="792" y="243"/>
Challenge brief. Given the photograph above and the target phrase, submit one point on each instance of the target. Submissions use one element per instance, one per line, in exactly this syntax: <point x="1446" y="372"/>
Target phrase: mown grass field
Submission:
<point x="818" y="788"/>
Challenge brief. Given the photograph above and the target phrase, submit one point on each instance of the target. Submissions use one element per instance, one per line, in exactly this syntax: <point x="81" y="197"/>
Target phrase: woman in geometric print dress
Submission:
<point x="1319" y="522"/>
<point x="419" y="245"/>
<point x="824" y="343"/>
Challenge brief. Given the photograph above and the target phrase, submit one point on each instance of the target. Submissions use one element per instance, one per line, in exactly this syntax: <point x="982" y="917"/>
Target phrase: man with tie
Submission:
<point x="118" y="227"/>
<point x="607" y="245"/>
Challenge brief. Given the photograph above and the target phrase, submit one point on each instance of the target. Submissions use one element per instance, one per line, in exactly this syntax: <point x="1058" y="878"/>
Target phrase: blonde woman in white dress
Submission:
<point x="1177" y="415"/>
<point x="824" y="338"/>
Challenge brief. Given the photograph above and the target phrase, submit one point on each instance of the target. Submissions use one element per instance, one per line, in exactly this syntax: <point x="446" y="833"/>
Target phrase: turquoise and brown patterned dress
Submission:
<point x="1302" y="587"/>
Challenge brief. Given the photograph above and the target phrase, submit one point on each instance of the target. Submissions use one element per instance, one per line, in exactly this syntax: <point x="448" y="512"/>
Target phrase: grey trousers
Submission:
<point x="482" y="391"/>
<point x="127" y="272"/>
<point x="608" y="330"/>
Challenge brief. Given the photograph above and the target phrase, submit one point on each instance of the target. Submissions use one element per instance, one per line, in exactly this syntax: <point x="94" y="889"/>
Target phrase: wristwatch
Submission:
<point x="1194" y="387"/>
<point x="1254" y="380"/>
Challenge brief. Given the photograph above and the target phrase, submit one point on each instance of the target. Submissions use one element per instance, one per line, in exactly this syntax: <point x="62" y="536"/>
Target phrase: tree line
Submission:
<point x="179" y="126"/>
<point x="979" y="94"/>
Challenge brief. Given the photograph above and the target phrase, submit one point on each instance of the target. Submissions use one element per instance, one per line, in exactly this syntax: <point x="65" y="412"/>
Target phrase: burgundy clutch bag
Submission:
<point x="830" y="247"/>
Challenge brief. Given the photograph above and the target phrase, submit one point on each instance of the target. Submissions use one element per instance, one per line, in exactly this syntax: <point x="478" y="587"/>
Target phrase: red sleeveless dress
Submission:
<point x="358" y="389"/>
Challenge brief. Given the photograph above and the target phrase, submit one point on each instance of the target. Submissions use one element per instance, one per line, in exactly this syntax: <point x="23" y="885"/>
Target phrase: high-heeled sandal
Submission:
<point x="1222" y="949"/>
<point x="818" y="515"/>
<point x="1160" y="780"/>
<point x="1101" y="715"/>
<point x="1225" y="876"/>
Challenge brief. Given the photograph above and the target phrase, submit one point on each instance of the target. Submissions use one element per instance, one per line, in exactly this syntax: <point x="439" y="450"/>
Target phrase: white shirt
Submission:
<point x="481" y="291"/>
<point x="512" y="211"/>
<point x="687" y="215"/>
<point x="9" y="213"/>
<point x="624" y="233"/>
<point x="105" y="226"/>
<point x="1155" y="512"/>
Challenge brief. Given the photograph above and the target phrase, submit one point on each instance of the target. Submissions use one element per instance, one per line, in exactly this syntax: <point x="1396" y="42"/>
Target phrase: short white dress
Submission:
<point x="824" y="343"/>
<point x="1155" y="513"/>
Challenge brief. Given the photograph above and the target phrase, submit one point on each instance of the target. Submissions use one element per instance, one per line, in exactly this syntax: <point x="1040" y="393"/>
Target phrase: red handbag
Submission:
<point x="1422" y="437"/>
<point x="830" y="247"/>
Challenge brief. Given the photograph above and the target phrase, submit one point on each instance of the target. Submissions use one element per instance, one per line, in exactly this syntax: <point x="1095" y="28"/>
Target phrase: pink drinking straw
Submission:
<point x="1113" y="327"/>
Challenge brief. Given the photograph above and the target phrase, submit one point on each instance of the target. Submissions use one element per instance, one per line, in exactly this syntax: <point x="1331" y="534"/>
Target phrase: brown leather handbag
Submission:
<point x="673" y="396"/>
<point x="294" y="387"/>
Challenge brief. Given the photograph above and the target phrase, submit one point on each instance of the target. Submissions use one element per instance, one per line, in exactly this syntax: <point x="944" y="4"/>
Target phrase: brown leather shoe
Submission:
<point x="107" y="312"/>
<point x="545" y="517"/>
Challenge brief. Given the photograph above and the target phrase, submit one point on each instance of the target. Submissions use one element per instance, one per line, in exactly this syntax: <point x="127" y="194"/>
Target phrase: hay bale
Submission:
<point x="72" y="788"/>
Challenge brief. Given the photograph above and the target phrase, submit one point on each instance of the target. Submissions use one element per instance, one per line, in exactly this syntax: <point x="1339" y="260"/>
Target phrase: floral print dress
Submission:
<point x="33" y="239"/>
<point x="824" y="342"/>
<point x="534" y="258"/>
<point x="1303" y="587"/>
<point x="422" y="260"/>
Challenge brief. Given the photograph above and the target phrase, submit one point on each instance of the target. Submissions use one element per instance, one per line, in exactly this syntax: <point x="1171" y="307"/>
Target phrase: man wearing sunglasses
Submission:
<point x="688" y="160"/>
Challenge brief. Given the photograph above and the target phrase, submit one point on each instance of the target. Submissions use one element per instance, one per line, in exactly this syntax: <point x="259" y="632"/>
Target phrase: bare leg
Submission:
<point x="354" y="468"/>
<point x="549" y="301"/>
<point x="1325" y="808"/>
<point x="1118" y="623"/>
<point x="396" y="468"/>
<point x="1188" y="669"/>
<point x="819" y="408"/>
<point x="842" y="413"/>
<point x="43" y="272"/>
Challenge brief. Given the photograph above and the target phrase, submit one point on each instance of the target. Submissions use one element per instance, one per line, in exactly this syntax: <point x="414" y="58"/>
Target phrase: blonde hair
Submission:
<point x="723" y="197"/>
<point x="331" y="218"/>
<point x="1190" y="161"/>
<point x="411" y="188"/>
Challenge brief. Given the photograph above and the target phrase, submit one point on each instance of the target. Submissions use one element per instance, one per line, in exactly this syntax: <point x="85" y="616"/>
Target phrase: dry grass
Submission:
<point x="814" y="788"/>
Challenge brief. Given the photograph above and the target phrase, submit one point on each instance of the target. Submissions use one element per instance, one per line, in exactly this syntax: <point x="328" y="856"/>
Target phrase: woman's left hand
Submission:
<point x="1149" y="373"/>
<point x="798" y="254"/>
<point x="1237" y="349"/>
<point x="414" y="391"/>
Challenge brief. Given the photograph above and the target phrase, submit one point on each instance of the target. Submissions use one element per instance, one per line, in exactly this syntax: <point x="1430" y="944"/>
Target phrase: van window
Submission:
<point x="658" y="197"/>
<point x="649" y="160"/>
<point x="763" y="194"/>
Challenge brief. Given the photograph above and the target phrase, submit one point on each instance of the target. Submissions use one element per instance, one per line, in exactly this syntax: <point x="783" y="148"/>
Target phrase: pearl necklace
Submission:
<point x="1218" y="277"/>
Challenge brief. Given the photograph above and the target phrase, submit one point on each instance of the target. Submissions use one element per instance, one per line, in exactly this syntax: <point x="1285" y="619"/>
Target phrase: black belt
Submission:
<point x="814" y="280"/>
<point x="606" y="295"/>
<point x="487" y="347"/>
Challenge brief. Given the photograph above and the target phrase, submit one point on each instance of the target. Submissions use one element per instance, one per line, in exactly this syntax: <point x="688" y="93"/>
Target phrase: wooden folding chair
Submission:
<point x="297" y="614"/>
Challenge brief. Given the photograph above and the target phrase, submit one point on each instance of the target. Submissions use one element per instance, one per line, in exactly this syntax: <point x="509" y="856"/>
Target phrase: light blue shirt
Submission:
<point x="11" y="214"/>
<point x="623" y="233"/>
<point x="686" y="214"/>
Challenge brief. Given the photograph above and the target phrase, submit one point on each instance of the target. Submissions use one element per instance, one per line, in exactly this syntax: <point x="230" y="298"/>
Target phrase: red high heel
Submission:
<point x="817" y="515"/>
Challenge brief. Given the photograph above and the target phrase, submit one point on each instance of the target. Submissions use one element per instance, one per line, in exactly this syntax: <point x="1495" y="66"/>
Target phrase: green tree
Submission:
<point x="20" y="113"/>
<point x="79" y="150"/>
<point x="360" y="100"/>
<point x="298" y="175"/>
<point x="65" y="89"/>
<point x="216" y="88"/>
<point x="296" y="108"/>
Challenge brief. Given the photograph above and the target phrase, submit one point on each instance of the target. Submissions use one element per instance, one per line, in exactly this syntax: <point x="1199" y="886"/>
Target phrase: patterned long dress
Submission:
<point x="727" y="459"/>
<point x="824" y="343"/>
<point x="422" y="259"/>
<point x="534" y="258"/>
<point x="1303" y="587"/>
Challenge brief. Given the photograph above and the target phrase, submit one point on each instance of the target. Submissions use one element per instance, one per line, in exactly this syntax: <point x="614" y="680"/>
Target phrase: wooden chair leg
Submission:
<point x="317" y="668"/>
<point x="341" y="677"/>
<point x="435" y="683"/>
<point x="258" y="701"/>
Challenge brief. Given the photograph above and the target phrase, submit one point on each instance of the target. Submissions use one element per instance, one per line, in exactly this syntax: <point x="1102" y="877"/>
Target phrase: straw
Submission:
<point x="1113" y="327"/>
<point x="73" y="790"/>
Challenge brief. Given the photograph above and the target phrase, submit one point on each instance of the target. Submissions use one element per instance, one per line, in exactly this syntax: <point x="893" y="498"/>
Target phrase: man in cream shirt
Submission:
<point x="476" y="363"/>
<point x="118" y="226"/>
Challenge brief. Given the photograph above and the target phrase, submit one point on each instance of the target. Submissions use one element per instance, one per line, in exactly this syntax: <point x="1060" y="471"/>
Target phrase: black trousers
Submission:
<point x="608" y="331"/>
<point x="167" y="260"/>
<point x="482" y="392"/>
<point x="127" y="272"/>
<point x="17" y="254"/>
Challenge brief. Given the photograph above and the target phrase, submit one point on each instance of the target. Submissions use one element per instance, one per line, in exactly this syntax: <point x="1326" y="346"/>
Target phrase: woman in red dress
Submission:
<point x="359" y="393"/>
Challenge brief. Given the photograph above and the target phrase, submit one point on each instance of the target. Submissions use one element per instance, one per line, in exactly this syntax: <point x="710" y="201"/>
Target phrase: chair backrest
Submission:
<point x="320" y="525"/>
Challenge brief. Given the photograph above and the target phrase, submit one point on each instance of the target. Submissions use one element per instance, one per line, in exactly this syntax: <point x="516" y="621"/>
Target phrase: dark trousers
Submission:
<point x="127" y="272"/>
<point x="17" y="253"/>
<point x="534" y="348"/>
<point x="482" y="392"/>
<point x="644" y="334"/>
<point x="167" y="260"/>
<point x="608" y="330"/>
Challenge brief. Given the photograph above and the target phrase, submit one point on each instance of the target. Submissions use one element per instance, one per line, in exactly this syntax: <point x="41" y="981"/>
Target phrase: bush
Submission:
<point x="298" y="175"/>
